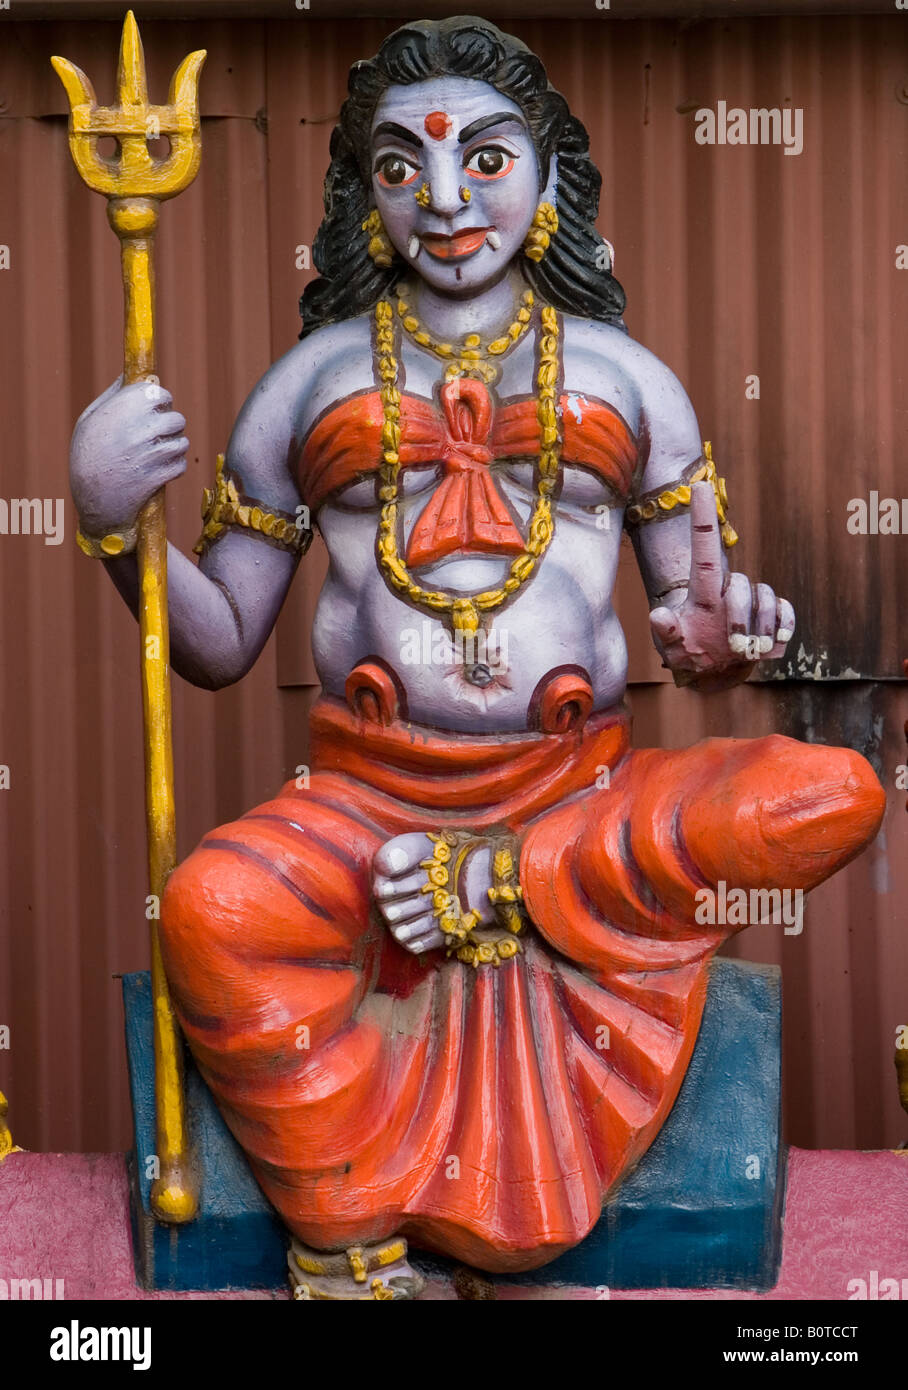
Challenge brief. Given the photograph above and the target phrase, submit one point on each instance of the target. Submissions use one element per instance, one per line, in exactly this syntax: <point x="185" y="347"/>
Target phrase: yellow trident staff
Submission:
<point x="134" y="183"/>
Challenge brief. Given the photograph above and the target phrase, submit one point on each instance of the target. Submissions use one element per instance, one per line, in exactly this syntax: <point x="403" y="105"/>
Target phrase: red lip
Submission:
<point x="462" y="243"/>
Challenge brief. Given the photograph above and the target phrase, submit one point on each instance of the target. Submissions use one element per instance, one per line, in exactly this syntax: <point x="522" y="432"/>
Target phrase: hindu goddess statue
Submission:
<point x="446" y="988"/>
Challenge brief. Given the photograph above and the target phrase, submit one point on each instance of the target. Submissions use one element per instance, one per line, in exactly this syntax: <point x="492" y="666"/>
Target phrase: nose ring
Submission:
<point x="423" y="195"/>
<point x="465" y="195"/>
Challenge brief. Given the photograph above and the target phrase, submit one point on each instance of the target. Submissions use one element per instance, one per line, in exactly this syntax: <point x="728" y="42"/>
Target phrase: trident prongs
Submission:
<point x="133" y="172"/>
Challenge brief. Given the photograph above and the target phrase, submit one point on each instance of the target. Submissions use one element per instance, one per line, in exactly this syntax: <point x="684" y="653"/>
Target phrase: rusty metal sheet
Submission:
<point x="232" y="80"/>
<point x="435" y="9"/>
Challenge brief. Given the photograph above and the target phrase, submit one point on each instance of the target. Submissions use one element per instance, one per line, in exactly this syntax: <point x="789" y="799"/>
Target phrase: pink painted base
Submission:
<point x="66" y="1216"/>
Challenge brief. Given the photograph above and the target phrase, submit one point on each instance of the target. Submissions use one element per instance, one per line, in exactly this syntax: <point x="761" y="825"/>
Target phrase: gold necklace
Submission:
<point x="464" y="613"/>
<point x="470" y="357"/>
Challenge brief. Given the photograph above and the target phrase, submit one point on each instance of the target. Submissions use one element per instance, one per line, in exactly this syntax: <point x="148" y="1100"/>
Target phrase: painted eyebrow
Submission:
<point x="400" y="132"/>
<point x="485" y="122"/>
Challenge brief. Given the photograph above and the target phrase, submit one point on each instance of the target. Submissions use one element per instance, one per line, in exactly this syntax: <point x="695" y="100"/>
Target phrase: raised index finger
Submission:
<point x="706" y="569"/>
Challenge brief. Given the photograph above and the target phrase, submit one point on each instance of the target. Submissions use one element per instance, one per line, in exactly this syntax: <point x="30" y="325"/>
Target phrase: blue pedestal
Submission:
<point x="703" y="1208"/>
<point x="237" y="1241"/>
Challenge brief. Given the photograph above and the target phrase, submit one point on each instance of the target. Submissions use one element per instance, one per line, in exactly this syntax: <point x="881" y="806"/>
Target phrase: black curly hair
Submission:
<point x="569" y="275"/>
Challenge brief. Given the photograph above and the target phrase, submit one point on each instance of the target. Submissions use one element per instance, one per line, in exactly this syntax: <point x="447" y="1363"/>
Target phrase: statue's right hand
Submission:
<point x="126" y="445"/>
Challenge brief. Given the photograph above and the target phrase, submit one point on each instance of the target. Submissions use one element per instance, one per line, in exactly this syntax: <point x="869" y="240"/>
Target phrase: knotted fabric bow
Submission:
<point x="466" y="511"/>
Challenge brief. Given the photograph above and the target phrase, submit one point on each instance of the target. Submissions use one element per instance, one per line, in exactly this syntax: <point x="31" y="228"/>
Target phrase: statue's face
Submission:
<point x="454" y="135"/>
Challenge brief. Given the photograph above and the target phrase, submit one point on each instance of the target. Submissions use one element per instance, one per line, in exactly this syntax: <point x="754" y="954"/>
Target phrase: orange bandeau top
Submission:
<point x="345" y="444"/>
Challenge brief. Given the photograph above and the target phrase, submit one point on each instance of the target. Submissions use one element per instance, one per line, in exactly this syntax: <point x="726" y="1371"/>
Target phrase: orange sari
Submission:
<point x="485" y="1113"/>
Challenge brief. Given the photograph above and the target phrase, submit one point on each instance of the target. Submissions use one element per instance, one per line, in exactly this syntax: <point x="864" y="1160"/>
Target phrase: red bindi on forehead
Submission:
<point x="438" y="124"/>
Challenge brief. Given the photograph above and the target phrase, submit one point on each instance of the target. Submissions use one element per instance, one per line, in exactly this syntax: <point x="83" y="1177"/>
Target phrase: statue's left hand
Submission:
<point x="724" y="623"/>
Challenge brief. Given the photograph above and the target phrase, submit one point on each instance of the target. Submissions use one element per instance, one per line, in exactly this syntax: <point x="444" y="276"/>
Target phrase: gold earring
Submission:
<point x="379" y="248"/>
<point x="423" y="196"/>
<point x="465" y="195"/>
<point x="542" y="229"/>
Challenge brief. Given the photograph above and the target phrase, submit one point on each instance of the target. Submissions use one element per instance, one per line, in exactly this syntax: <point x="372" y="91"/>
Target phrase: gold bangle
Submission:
<point x="110" y="546"/>
<point x="223" y="507"/>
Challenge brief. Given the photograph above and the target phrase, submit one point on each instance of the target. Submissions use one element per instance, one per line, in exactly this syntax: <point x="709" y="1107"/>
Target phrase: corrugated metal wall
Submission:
<point x="737" y="261"/>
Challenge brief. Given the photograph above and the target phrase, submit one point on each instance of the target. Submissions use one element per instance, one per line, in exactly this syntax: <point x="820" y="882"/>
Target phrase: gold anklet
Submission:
<point x="458" y="927"/>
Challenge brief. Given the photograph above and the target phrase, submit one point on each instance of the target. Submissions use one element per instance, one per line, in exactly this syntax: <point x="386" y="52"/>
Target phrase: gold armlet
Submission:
<point x="658" y="506"/>
<point x="122" y="542"/>
<point x="223" y="507"/>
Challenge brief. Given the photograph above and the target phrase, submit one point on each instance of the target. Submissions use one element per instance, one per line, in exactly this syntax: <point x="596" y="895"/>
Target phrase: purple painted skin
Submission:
<point x="131" y="441"/>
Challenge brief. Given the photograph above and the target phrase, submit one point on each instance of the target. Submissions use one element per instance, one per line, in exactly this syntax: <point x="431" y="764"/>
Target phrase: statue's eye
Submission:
<point x="394" y="171"/>
<point x="490" y="162"/>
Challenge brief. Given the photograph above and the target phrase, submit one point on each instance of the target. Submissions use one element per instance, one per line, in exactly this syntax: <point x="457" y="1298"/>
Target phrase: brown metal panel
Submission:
<point x="231" y="83"/>
<point x="404" y="9"/>
<point x="737" y="260"/>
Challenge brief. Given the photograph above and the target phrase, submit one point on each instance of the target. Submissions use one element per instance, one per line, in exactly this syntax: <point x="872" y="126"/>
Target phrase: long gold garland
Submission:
<point x="464" y="612"/>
